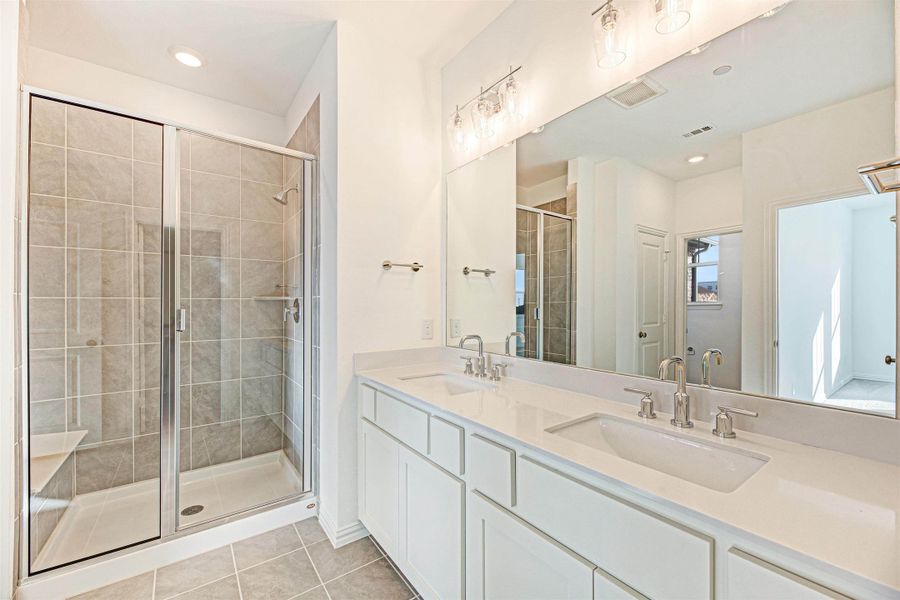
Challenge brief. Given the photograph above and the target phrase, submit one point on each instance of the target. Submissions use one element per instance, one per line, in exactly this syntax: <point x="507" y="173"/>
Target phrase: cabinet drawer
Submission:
<point x="367" y="402"/>
<point x="751" y="578"/>
<point x="492" y="469"/>
<point x="403" y="421"/>
<point x="620" y="538"/>
<point x="446" y="445"/>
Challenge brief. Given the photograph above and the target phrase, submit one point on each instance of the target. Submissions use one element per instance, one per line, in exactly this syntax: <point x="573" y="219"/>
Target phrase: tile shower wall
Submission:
<point x="558" y="289"/>
<point x="233" y="254"/>
<point x="304" y="139"/>
<point x="93" y="293"/>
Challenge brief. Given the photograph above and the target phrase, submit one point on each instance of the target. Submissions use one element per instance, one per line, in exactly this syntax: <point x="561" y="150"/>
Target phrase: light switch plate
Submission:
<point x="427" y="329"/>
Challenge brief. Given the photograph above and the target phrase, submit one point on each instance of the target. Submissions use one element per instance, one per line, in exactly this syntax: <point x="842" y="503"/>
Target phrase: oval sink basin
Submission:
<point x="710" y="465"/>
<point x="449" y="384"/>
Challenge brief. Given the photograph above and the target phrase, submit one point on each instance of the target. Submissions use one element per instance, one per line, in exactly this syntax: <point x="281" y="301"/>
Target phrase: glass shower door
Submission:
<point x="242" y="354"/>
<point x="93" y="303"/>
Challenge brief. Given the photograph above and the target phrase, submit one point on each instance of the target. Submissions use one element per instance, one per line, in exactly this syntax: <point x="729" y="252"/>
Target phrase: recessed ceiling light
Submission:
<point x="721" y="70"/>
<point x="699" y="49"/>
<point x="187" y="56"/>
<point x="696" y="159"/>
<point x="537" y="129"/>
<point x="773" y="11"/>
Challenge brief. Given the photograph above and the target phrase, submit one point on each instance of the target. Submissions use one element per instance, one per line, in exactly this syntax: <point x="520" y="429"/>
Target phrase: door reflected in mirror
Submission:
<point x="720" y="219"/>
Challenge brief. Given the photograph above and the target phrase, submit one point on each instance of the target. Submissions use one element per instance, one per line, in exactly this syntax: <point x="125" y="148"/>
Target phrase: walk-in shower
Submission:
<point x="167" y="336"/>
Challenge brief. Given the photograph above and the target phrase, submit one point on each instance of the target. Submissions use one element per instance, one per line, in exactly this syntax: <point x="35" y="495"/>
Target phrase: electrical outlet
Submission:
<point x="455" y="328"/>
<point x="427" y="329"/>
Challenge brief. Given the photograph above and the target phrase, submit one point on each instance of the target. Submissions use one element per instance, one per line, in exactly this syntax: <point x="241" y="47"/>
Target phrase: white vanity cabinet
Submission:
<point x="510" y="559"/>
<point x="379" y="486"/>
<point x="751" y="578"/>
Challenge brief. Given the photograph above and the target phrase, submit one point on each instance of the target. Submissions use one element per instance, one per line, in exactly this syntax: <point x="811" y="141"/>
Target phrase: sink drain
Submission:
<point x="191" y="510"/>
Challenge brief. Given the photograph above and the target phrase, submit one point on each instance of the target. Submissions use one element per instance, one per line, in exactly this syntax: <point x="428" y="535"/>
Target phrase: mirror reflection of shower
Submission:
<point x="281" y="197"/>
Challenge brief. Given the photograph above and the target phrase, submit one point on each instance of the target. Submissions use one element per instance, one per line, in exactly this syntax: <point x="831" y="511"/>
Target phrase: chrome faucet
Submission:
<point x="682" y="417"/>
<point x="514" y="334"/>
<point x="704" y="364"/>
<point x="480" y="364"/>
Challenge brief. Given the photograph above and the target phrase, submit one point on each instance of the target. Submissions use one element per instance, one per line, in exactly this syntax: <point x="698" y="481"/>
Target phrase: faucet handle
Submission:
<point x="646" y="403"/>
<point x="469" y="369"/>
<point x="724" y="422"/>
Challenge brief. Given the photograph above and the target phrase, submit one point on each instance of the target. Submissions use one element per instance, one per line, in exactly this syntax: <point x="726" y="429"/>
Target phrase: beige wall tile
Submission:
<point x="147" y="184"/>
<point x="98" y="177"/>
<point x="48" y="374"/>
<point x="99" y="321"/>
<point x="262" y="357"/>
<point x="215" y="402"/>
<point x="261" y="241"/>
<point x="97" y="131"/>
<point x="47" y="221"/>
<point x="146" y="320"/>
<point x="47" y="170"/>
<point x="260" y="165"/>
<point x="147" y="229"/>
<point x="215" y="236"/>
<point x="259" y="278"/>
<point x="105" y="417"/>
<point x="48" y="121"/>
<point x="103" y="466"/>
<point x="99" y="370"/>
<point x="215" y="156"/>
<point x="98" y="273"/>
<point x="215" y="319"/>
<point x="215" y="361"/>
<point x="47" y="416"/>
<point x="46" y="272"/>
<point x="261" y="396"/>
<point x="215" y="195"/>
<point x="147" y="275"/>
<point x="146" y="457"/>
<point x="98" y="225"/>
<point x="257" y="203"/>
<point x="148" y="141"/>
<point x="215" y="277"/>
<point x="262" y="318"/>
<point x="146" y="365"/>
<point x="47" y="323"/>
<point x="215" y="444"/>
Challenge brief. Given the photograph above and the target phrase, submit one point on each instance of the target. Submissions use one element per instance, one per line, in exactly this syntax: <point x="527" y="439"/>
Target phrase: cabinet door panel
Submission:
<point x="431" y="528"/>
<point x="509" y="559"/>
<point x="751" y="578"/>
<point x="379" y="496"/>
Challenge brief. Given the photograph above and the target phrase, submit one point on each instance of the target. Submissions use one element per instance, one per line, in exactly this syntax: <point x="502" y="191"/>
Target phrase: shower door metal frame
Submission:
<point x="170" y="351"/>
<point x="539" y="350"/>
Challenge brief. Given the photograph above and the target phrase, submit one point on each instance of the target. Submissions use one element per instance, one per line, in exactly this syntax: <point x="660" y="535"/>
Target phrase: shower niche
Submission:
<point x="165" y="280"/>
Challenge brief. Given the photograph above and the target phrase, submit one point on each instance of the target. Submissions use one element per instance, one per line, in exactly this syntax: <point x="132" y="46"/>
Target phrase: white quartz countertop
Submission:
<point x="836" y="508"/>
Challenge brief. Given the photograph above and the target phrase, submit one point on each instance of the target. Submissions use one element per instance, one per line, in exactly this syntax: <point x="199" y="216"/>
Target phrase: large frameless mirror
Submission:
<point x="710" y="209"/>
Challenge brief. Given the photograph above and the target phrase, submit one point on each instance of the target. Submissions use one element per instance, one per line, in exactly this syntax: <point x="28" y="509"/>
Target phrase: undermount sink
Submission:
<point x="447" y="383"/>
<point x="710" y="465"/>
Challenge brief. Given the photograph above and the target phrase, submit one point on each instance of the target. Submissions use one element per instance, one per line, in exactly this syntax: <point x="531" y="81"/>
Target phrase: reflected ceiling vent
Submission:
<point x="697" y="131"/>
<point x="636" y="92"/>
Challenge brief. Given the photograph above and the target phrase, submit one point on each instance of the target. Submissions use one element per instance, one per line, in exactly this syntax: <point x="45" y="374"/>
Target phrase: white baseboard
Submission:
<point x="341" y="536"/>
<point x="110" y="569"/>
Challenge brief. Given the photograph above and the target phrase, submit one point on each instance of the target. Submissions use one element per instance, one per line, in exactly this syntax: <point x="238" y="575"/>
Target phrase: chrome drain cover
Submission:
<point x="191" y="510"/>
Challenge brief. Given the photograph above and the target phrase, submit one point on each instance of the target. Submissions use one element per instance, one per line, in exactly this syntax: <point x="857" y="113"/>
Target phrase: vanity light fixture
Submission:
<point x="609" y="40"/>
<point x="696" y="159"/>
<point x="671" y="15"/>
<point x="187" y="56"/>
<point x="457" y="130"/>
<point x="505" y="96"/>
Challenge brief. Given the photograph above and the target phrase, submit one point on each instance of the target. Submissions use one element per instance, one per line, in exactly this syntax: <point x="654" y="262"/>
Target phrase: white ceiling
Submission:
<point x="258" y="51"/>
<point x="812" y="54"/>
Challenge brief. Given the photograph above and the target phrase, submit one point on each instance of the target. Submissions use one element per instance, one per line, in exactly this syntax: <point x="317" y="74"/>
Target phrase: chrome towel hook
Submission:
<point x="487" y="272"/>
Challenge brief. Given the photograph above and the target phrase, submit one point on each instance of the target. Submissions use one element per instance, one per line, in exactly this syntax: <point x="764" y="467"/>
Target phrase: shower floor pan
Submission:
<point x="113" y="518"/>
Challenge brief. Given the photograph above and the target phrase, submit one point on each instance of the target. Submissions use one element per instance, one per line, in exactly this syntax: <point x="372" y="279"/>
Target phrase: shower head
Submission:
<point x="281" y="196"/>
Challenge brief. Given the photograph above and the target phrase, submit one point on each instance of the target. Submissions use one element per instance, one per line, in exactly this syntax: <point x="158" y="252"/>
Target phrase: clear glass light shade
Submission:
<point x="511" y="99"/>
<point x="671" y="15"/>
<point x="609" y="39"/>
<point x="457" y="132"/>
<point x="483" y="111"/>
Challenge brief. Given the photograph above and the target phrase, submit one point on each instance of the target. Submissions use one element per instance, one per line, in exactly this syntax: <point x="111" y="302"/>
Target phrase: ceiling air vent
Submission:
<point x="636" y="92"/>
<point x="697" y="131"/>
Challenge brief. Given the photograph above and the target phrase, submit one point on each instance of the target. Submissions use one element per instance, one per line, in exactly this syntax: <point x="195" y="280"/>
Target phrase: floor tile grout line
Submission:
<point x="371" y="562"/>
<point x="202" y="585"/>
<point x="237" y="577"/>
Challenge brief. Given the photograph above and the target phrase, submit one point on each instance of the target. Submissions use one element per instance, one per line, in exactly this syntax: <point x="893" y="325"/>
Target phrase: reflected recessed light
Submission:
<point x="773" y="11"/>
<point x="187" y="56"/>
<point x="721" y="70"/>
<point x="537" y="129"/>
<point x="699" y="49"/>
<point x="696" y="159"/>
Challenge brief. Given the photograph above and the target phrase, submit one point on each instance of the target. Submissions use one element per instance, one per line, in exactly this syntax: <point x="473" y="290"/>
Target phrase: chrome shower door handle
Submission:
<point x="181" y="320"/>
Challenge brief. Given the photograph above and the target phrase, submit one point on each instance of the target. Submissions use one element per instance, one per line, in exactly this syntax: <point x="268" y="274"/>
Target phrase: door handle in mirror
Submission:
<point x="642" y="334"/>
<point x="889" y="360"/>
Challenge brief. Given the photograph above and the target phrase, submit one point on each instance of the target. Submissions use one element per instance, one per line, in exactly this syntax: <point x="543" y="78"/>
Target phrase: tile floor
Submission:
<point x="295" y="561"/>
<point x="113" y="518"/>
<point x="865" y="394"/>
